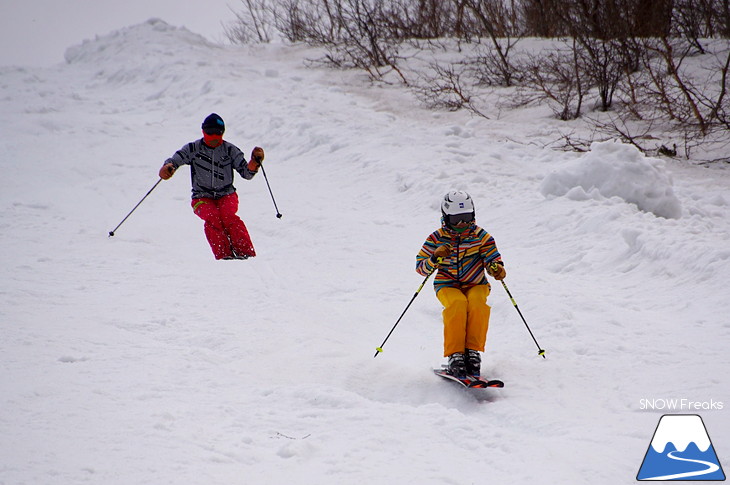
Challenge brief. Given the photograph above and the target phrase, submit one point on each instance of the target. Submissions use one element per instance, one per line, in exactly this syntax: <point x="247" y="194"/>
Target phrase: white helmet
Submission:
<point x="457" y="208"/>
<point x="457" y="202"/>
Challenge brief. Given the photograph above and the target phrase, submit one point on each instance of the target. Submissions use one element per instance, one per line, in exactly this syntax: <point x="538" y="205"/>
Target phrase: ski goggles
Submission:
<point x="213" y="130"/>
<point x="455" y="219"/>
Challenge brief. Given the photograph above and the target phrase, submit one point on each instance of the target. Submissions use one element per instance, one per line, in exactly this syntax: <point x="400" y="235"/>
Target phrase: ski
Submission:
<point x="471" y="382"/>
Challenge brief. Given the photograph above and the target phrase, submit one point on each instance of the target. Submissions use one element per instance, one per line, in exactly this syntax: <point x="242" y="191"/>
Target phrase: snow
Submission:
<point x="681" y="431"/>
<point x="140" y="359"/>
<point x="612" y="169"/>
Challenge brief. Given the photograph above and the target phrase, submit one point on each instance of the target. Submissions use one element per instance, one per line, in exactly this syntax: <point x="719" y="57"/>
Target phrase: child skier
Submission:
<point x="461" y="251"/>
<point x="212" y="162"/>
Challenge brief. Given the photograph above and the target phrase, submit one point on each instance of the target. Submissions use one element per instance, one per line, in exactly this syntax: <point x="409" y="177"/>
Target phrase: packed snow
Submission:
<point x="139" y="359"/>
<point x="612" y="169"/>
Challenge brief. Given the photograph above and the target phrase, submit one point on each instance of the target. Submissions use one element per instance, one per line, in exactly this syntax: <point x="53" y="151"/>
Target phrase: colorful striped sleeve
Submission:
<point x="488" y="249"/>
<point x="424" y="265"/>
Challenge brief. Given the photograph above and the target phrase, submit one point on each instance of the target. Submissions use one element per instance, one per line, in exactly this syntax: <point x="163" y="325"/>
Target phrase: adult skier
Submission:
<point x="461" y="251"/>
<point x="212" y="162"/>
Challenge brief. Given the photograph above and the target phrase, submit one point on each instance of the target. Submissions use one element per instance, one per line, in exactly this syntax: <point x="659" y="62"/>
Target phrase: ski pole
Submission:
<point x="278" y="214"/>
<point x="540" y="350"/>
<point x="111" y="233"/>
<point x="380" y="349"/>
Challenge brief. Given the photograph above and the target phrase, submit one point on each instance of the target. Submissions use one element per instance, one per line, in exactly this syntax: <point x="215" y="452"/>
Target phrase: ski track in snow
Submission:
<point x="139" y="359"/>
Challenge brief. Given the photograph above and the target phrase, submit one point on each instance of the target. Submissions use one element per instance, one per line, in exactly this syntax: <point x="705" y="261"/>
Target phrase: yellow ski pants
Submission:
<point x="466" y="318"/>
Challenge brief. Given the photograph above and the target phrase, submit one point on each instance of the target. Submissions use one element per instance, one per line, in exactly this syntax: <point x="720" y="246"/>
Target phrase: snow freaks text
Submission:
<point x="679" y="404"/>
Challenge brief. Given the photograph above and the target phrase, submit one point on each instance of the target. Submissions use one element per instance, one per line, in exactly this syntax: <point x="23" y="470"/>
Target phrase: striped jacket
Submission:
<point x="211" y="169"/>
<point x="471" y="253"/>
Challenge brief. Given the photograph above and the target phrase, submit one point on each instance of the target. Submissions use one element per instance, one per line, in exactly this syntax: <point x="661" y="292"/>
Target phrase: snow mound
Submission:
<point x="144" y="44"/>
<point x="614" y="169"/>
<point x="154" y="58"/>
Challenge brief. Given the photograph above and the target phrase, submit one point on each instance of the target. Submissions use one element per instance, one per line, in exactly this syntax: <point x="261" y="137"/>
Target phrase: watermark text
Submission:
<point x="679" y="404"/>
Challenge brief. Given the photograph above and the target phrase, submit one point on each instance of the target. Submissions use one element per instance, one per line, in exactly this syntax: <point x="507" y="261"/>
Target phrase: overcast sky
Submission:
<point x="38" y="32"/>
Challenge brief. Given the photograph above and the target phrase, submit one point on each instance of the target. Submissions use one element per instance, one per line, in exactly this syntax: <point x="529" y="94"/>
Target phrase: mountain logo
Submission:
<point x="681" y="450"/>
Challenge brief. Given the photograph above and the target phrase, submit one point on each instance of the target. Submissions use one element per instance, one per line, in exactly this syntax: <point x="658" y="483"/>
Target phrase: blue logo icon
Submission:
<point x="681" y="450"/>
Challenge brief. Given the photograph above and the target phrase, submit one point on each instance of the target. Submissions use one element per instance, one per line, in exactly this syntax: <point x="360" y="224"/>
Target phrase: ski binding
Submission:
<point x="471" y="382"/>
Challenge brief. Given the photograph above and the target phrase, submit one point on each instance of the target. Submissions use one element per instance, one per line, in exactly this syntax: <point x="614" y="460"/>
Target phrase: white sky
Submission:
<point x="38" y="32"/>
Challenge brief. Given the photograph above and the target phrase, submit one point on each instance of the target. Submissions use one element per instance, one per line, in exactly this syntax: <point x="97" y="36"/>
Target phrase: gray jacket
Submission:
<point x="211" y="169"/>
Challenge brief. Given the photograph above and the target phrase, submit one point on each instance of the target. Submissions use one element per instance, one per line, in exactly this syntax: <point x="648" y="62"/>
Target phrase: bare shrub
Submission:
<point x="254" y="23"/>
<point x="423" y="19"/>
<point x="499" y="23"/>
<point x="628" y="58"/>
<point x="558" y="78"/>
<point x="447" y="87"/>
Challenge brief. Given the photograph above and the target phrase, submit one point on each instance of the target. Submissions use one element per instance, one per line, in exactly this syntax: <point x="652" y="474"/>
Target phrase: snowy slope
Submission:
<point x="140" y="359"/>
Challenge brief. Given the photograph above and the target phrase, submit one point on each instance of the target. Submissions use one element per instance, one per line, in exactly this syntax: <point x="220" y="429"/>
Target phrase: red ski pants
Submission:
<point x="466" y="318"/>
<point x="224" y="230"/>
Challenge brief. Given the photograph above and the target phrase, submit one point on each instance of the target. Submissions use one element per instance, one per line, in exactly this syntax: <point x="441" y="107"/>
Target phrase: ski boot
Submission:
<point x="235" y="255"/>
<point x="473" y="363"/>
<point x="457" y="366"/>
